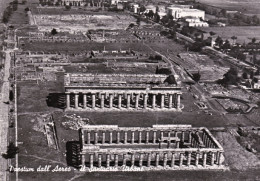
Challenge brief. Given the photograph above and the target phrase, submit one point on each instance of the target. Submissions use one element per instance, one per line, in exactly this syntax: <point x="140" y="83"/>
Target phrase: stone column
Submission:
<point x="154" y="137"/>
<point x="116" y="160"/>
<point x="88" y="137"/>
<point x="181" y="159"/>
<point x="178" y="101"/>
<point x="118" y="137"/>
<point x="128" y="101"/>
<point x="83" y="160"/>
<point x="162" y="101"/>
<point x="165" y="158"/>
<point x="157" y="158"/>
<point x="189" y="137"/>
<point x="189" y="159"/>
<point x="197" y="159"/>
<point x="93" y="100"/>
<point x="204" y="159"/>
<point x="132" y="137"/>
<point x="173" y="160"/>
<point x="110" y="137"/>
<point x="124" y="159"/>
<point x="212" y="159"/>
<point x="119" y="100"/>
<point x="170" y="101"/>
<point x="84" y="101"/>
<point x="182" y="136"/>
<point x="95" y="138"/>
<point x="67" y="100"/>
<point x="108" y="161"/>
<point x="102" y="101"/>
<point x="76" y="101"/>
<point x="161" y="135"/>
<point x="141" y="160"/>
<point x="133" y="159"/>
<point x="145" y="101"/>
<point x="99" y="160"/>
<point x="149" y="160"/>
<point x="147" y="137"/>
<point x="177" y="144"/>
<point x="154" y="101"/>
<point x="91" y="159"/>
<point x="111" y="100"/>
<point x="219" y="158"/>
<point x="125" y="138"/>
<point x="137" y="101"/>
<point x="103" y="137"/>
<point x="140" y="137"/>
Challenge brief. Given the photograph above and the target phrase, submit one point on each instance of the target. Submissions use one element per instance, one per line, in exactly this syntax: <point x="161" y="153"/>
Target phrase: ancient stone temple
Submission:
<point x="169" y="147"/>
<point x="121" y="92"/>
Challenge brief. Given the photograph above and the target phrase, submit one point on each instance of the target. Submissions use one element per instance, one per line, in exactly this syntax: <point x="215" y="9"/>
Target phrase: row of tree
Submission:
<point x="9" y="11"/>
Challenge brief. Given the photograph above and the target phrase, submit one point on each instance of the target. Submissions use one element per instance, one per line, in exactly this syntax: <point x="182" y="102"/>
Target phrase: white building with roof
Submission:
<point x="177" y="13"/>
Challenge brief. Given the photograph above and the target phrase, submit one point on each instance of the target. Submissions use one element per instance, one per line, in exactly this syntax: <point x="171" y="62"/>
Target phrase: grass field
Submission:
<point x="250" y="7"/>
<point x="243" y="33"/>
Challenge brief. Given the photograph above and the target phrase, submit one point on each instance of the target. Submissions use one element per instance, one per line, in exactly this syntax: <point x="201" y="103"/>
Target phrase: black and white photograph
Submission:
<point x="129" y="90"/>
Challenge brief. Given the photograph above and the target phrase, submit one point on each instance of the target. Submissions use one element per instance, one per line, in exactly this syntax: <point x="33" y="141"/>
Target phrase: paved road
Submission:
<point x="4" y="117"/>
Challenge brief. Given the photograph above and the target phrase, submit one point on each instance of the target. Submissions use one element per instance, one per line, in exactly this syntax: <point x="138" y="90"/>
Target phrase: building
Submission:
<point x="121" y="92"/>
<point x="150" y="8"/>
<point x="256" y="84"/>
<point x="178" y="13"/>
<point x="160" y="147"/>
<point x="196" y="22"/>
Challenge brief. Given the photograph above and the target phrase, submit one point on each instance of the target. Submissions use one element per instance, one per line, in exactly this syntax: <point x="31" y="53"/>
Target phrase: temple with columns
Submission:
<point x="169" y="147"/>
<point x="121" y="92"/>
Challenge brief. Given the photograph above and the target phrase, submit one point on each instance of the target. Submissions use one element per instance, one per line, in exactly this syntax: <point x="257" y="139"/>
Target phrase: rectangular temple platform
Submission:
<point x="160" y="147"/>
<point x="121" y="92"/>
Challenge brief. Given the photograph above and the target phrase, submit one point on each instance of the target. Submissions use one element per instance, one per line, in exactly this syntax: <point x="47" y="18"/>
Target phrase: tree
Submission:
<point x="12" y="150"/>
<point x="212" y="33"/>
<point x="156" y="17"/>
<point x="226" y="45"/>
<point x="54" y="31"/>
<point x="233" y="38"/>
<point x="68" y="7"/>
<point x="253" y="40"/>
<point x="245" y="75"/>
<point x="164" y="19"/>
<point x="223" y="12"/>
<point x="142" y="9"/>
<point x="219" y="41"/>
<point x="11" y="95"/>
<point x="196" y="77"/>
<point x="150" y="14"/>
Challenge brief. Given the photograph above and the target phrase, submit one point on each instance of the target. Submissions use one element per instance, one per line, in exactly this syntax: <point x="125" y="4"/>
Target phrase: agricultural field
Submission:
<point x="250" y="7"/>
<point x="243" y="33"/>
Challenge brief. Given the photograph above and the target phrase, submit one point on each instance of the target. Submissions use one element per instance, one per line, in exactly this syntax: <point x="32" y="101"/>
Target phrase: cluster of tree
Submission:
<point x="165" y="71"/>
<point x="12" y="150"/>
<point x="196" y="76"/>
<point x="155" y="57"/>
<point x="241" y="19"/>
<point x="230" y="78"/>
<point x="9" y="11"/>
<point x="54" y="31"/>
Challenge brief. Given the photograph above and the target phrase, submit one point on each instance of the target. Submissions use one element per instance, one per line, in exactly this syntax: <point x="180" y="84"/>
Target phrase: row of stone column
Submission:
<point x="155" y="159"/>
<point x="93" y="137"/>
<point x="173" y="100"/>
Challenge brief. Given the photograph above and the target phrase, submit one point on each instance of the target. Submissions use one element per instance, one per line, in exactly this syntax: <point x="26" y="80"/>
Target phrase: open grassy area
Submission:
<point x="243" y="33"/>
<point x="250" y="7"/>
